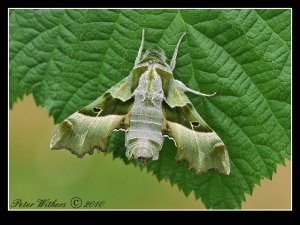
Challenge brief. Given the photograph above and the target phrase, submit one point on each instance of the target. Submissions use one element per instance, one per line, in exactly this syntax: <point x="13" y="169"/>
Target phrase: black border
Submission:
<point x="242" y="217"/>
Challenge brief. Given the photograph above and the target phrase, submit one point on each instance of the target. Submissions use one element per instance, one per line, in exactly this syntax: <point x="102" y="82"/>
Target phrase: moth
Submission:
<point x="148" y="105"/>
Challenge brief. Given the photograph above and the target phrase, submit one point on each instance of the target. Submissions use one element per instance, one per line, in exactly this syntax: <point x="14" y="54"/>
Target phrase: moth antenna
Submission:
<point x="184" y="88"/>
<point x="199" y="93"/>
<point x="139" y="56"/>
<point x="173" y="60"/>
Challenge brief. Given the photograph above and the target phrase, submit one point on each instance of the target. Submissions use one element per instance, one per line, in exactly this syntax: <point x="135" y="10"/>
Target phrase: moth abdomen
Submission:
<point x="144" y="139"/>
<point x="142" y="149"/>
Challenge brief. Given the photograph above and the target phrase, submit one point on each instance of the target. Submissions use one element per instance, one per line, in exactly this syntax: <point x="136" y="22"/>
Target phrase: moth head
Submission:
<point x="155" y="53"/>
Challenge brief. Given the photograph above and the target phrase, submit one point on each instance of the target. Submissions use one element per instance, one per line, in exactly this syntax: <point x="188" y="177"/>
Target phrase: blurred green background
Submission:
<point x="36" y="172"/>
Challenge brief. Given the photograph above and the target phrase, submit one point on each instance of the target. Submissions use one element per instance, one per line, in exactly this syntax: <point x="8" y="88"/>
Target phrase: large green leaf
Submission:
<point x="67" y="58"/>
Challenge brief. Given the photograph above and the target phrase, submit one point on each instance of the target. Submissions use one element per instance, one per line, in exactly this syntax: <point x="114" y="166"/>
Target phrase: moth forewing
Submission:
<point x="91" y="126"/>
<point x="204" y="151"/>
<point x="82" y="134"/>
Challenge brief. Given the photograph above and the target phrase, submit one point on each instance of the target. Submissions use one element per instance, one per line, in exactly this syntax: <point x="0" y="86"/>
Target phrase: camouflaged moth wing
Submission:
<point x="148" y="105"/>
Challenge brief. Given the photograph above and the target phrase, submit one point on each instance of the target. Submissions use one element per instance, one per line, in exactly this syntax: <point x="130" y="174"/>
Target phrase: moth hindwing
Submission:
<point x="148" y="105"/>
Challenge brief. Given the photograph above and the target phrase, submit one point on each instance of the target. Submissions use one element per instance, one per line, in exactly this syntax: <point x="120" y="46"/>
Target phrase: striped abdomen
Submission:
<point x="143" y="138"/>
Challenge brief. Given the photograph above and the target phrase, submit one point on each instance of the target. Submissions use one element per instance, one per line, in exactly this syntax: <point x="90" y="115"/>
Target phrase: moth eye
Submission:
<point x="195" y="124"/>
<point x="96" y="110"/>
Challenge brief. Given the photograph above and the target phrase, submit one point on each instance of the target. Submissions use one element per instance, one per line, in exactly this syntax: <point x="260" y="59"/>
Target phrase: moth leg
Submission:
<point x="184" y="88"/>
<point x="138" y="58"/>
<point x="173" y="61"/>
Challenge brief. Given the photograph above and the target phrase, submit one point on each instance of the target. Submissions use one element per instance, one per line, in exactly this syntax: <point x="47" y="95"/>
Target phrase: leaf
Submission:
<point x="68" y="58"/>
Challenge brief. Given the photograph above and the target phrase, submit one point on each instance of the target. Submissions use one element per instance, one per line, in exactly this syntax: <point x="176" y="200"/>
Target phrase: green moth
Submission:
<point x="148" y="105"/>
